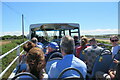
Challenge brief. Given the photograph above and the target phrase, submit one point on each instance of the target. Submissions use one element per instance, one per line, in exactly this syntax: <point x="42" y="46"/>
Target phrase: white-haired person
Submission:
<point x="38" y="44"/>
<point x="69" y="60"/>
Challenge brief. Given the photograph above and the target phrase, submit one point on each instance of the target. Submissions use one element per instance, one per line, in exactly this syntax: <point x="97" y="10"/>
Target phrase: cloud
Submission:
<point x="99" y="31"/>
<point x="83" y="32"/>
<point x="17" y="33"/>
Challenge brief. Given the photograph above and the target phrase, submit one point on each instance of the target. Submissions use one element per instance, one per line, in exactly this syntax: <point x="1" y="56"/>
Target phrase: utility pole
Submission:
<point x="23" y="27"/>
<point x="119" y="19"/>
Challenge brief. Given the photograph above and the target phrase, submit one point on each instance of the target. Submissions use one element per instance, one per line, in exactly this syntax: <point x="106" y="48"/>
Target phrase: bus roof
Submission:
<point x="53" y="26"/>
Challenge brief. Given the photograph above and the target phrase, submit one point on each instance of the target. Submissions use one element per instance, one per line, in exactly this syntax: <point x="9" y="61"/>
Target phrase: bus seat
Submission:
<point x="102" y="63"/>
<point x="54" y="57"/>
<point x="21" y="67"/>
<point x="50" y="62"/>
<point x="24" y="76"/>
<point x="82" y="56"/>
<point x="80" y="77"/>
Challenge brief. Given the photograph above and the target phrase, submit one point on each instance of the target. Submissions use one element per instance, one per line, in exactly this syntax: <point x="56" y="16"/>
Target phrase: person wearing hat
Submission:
<point x="51" y="48"/>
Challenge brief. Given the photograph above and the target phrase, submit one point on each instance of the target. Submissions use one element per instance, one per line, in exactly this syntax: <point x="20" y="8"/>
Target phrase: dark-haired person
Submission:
<point x="69" y="60"/>
<point x="91" y="53"/>
<point x="115" y="46"/>
<point x="113" y="72"/>
<point x="76" y="41"/>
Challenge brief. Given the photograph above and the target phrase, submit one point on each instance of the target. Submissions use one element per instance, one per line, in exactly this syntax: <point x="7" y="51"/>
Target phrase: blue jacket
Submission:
<point x="68" y="61"/>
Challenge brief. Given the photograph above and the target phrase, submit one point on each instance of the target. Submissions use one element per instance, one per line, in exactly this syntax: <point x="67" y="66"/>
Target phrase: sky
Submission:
<point x="95" y="18"/>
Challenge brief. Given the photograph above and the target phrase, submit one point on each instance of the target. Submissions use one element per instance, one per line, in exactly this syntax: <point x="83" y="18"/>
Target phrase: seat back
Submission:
<point x="102" y="63"/>
<point x="55" y="55"/>
<point x="70" y="78"/>
<point x="50" y="62"/>
<point x="24" y="76"/>
<point x="21" y="67"/>
<point x="82" y="56"/>
<point x="105" y="51"/>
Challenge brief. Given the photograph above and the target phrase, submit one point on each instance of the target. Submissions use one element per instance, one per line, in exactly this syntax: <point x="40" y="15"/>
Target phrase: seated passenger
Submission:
<point x="43" y="40"/>
<point x="80" y="48"/>
<point x="22" y="66"/>
<point x="69" y="60"/>
<point x="36" y="62"/>
<point x="57" y="40"/>
<point x="76" y="41"/>
<point x="38" y="44"/>
<point x="51" y="48"/>
<point x="113" y="72"/>
<point x="91" y="53"/>
<point x="115" y="45"/>
<point x="117" y="75"/>
<point x="54" y="39"/>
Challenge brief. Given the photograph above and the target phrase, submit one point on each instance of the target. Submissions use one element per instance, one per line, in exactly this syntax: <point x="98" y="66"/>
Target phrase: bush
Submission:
<point x="9" y="58"/>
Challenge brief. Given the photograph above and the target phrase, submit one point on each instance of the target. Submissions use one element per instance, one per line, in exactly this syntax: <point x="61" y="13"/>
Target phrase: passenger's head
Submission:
<point x="36" y="61"/>
<point x="60" y="37"/>
<point x="67" y="45"/>
<point x="55" y="37"/>
<point x="81" y="37"/>
<point x="28" y="46"/>
<point x="75" y="37"/>
<point x="34" y="40"/>
<point x="114" y="40"/>
<point x="53" y="46"/>
<point x="39" y="39"/>
<point x="84" y="41"/>
<point x="92" y="41"/>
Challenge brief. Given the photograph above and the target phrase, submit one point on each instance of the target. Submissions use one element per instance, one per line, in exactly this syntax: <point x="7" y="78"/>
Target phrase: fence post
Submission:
<point x="18" y="53"/>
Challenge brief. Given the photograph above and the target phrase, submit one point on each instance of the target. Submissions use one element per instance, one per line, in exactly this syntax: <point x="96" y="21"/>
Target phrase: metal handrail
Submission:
<point x="9" y="65"/>
<point x="2" y="56"/>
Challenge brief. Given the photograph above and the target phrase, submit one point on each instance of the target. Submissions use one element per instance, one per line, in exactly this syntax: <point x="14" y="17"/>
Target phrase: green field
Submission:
<point x="7" y="59"/>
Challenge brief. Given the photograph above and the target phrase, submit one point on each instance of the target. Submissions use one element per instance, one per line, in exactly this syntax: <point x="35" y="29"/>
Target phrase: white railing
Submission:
<point x="18" y="53"/>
